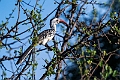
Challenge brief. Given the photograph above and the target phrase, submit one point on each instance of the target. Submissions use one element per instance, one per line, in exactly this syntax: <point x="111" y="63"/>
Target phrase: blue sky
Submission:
<point x="5" y="9"/>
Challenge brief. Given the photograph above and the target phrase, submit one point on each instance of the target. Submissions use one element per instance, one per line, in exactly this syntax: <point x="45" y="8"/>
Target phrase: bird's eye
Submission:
<point x="57" y="20"/>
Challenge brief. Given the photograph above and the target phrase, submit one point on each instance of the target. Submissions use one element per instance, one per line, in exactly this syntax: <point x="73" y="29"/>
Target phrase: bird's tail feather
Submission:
<point x="25" y="54"/>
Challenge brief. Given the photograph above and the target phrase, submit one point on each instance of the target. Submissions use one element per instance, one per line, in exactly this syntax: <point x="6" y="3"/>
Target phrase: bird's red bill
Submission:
<point x="62" y="21"/>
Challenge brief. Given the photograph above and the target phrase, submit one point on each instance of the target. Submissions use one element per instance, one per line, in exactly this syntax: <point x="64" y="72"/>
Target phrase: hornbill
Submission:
<point x="43" y="38"/>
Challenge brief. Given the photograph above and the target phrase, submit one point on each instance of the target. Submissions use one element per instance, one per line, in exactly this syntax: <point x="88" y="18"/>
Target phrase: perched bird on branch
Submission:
<point x="43" y="38"/>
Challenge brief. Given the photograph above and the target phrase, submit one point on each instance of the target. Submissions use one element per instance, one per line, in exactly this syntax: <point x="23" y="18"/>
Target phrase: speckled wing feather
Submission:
<point x="44" y="37"/>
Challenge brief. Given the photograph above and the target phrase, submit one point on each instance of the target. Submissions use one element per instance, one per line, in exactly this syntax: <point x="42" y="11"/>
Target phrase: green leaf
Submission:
<point x="74" y="1"/>
<point x="106" y="75"/>
<point x="50" y="71"/>
<point x="35" y="40"/>
<point x="106" y="67"/>
<point x="101" y="63"/>
<point x="104" y="53"/>
<point x="110" y="70"/>
<point x="86" y="71"/>
<point x="89" y="61"/>
<point x="93" y="53"/>
<point x="114" y="73"/>
<point x="114" y="13"/>
<point x="95" y="78"/>
<point x="34" y="16"/>
<point x="94" y="45"/>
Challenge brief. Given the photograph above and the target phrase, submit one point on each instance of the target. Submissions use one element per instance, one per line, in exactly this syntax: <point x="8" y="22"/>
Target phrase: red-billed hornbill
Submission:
<point x="43" y="38"/>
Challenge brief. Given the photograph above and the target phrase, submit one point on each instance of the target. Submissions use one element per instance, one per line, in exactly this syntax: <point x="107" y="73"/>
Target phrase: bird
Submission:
<point x="44" y="37"/>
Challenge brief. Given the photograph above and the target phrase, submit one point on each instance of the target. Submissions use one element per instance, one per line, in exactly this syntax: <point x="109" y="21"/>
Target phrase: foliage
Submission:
<point x="88" y="48"/>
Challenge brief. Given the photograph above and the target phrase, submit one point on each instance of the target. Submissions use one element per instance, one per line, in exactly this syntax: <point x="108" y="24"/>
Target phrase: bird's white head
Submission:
<point x="55" y="21"/>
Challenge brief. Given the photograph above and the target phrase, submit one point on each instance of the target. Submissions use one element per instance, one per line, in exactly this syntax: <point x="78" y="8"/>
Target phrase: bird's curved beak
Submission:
<point x="62" y="21"/>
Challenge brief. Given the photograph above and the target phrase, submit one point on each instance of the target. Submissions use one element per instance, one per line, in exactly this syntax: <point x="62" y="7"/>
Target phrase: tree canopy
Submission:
<point x="88" y="48"/>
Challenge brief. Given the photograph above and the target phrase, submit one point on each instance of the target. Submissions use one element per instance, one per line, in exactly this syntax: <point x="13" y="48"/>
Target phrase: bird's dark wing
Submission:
<point x="25" y="54"/>
<point x="45" y="34"/>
